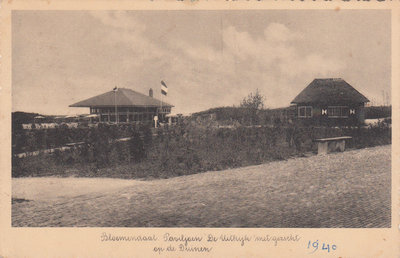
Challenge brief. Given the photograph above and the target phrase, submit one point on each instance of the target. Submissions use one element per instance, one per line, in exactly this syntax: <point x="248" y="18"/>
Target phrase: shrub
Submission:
<point x="187" y="148"/>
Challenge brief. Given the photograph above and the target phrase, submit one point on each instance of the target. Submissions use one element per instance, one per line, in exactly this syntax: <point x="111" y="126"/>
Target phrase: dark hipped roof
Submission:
<point x="331" y="91"/>
<point x="125" y="97"/>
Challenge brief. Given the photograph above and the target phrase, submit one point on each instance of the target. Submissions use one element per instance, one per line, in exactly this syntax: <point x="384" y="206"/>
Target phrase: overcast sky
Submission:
<point x="207" y="58"/>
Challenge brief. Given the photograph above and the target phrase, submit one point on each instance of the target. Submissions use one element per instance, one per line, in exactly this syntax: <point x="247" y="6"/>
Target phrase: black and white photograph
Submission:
<point x="201" y="118"/>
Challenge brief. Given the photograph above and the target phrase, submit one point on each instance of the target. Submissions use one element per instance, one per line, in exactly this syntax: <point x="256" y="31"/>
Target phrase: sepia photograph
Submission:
<point x="201" y="118"/>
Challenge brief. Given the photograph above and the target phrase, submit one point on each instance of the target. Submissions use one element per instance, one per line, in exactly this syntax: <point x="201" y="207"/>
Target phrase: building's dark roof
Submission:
<point x="332" y="91"/>
<point x="125" y="97"/>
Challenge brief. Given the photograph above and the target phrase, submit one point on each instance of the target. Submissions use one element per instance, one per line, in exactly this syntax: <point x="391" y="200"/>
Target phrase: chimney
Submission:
<point x="151" y="92"/>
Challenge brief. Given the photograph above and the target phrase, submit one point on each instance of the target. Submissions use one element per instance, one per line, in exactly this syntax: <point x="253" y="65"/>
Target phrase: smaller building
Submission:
<point x="126" y="105"/>
<point x="330" y="102"/>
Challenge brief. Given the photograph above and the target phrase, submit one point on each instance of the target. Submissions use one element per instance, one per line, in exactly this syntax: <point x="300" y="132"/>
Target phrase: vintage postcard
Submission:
<point x="199" y="128"/>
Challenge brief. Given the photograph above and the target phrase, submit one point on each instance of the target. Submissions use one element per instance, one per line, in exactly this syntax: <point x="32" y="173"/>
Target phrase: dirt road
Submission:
<point x="350" y="189"/>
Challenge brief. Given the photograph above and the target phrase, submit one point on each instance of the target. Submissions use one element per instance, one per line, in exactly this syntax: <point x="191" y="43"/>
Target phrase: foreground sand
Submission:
<point x="350" y="189"/>
<point x="55" y="188"/>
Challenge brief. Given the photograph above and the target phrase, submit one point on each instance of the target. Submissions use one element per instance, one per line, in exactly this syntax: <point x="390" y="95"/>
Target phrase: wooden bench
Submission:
<point x="327" y="145"/>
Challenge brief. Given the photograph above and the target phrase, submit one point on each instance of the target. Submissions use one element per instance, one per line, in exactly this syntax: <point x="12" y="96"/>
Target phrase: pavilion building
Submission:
<point x="330" y="101"/>
<point x="126" y="105"/>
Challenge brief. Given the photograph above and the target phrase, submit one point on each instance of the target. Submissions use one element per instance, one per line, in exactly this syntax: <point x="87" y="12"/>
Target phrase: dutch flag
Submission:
<point x="164" y="88"/>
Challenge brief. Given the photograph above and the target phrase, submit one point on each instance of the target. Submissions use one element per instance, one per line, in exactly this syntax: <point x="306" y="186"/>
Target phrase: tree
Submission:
<point x="253" y="101"/>
<point x="251" y="104"/>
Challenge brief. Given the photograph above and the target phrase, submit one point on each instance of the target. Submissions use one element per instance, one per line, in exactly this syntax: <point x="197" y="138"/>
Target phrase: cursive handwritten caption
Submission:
<point x="203" y="243"/>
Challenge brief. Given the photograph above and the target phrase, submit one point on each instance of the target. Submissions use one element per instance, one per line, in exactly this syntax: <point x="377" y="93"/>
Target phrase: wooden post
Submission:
<point x="322" y="148"/>
<point x="342" y="145"/>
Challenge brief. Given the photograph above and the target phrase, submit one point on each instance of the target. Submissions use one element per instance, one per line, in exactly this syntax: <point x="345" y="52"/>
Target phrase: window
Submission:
<point x="337" y="112"/>
<point x="305" y="111"/>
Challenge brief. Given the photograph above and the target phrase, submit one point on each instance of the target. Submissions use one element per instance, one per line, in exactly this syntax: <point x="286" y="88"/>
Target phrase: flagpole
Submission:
<point x="115" y="102"/>
<point x="164" y="90"/>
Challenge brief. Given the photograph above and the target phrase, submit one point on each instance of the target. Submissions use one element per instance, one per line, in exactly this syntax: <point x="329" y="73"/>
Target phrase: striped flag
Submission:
<point x="164" y="88"/>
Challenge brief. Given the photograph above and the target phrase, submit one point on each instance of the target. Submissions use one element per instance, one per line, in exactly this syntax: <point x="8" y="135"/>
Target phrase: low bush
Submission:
<point x="187" y="149"/>
<point x="378" y="112"/>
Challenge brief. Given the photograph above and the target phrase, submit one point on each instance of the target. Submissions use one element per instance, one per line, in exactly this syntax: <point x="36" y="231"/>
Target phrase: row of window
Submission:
<point x="337" y="111"/>
<point x="127" y="109"/>
<point x="305" y="111"/>
<point x="164" y="109"/>
<point x="137" y="117"/>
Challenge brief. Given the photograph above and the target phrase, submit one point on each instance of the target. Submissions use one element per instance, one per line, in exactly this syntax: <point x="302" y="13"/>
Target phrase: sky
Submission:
<point x="207" y="58"/>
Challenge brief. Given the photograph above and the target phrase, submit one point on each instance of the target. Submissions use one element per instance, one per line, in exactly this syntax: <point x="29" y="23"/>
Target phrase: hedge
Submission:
<point x="186" y="149"/>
